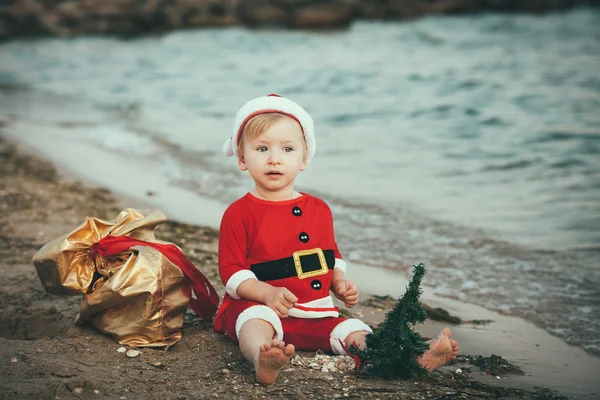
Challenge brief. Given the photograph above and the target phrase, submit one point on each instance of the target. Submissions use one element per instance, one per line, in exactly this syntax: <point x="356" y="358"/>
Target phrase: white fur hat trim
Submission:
<point x="272" y="104"/>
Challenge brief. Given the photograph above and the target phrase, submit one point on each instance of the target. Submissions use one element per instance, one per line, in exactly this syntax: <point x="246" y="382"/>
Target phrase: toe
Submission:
<point x="289" y="350"/>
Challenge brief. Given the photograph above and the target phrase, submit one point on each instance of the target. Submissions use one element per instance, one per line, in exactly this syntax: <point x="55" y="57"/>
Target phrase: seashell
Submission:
<point x="133" y="353"/>
<point x="121" y="349"/>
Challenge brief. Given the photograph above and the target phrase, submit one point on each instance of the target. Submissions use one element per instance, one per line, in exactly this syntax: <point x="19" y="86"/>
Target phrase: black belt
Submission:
<point x="310" y="265"/>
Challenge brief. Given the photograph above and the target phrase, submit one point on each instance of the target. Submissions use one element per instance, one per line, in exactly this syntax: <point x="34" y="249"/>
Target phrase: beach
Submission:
<point x="44" y="355"/>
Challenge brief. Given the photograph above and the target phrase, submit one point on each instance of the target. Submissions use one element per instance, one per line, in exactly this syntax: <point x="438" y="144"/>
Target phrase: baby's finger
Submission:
<point x="281" y="311"/>
<point x="351" y="299"/>
<point x="289" y="296"/>
<point x="287" y="304"/>
<point x="341" y="288"/>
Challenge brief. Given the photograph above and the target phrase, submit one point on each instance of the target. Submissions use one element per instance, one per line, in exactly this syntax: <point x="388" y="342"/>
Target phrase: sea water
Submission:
<point x="471" y="144"/>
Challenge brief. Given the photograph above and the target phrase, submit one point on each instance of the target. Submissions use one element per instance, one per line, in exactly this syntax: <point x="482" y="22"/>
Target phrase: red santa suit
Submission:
<point x="287" y="244"/>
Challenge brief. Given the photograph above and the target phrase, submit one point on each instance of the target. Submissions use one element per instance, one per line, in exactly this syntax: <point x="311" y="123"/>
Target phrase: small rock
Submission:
<point x="133" y="353"/>
<point x="78" y="391"/>
<point x="324" y="369"/>
<point x="458" y="371"/>
<point x="96" y="391"/>
<point x="157" y="364"/>
<point x="14" y="360"/>
<point x="121" y="349"/>
<point x="497" y="377"/>
<point x="225" y="371"/>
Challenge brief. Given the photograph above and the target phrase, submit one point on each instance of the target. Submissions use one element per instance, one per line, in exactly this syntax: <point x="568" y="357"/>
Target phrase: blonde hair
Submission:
<point x="259" y="124"/>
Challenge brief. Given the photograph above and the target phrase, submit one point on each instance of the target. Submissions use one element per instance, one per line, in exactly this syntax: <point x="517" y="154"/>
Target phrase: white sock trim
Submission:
<point x="259" y="312"/>
<point x="341" y="332"/>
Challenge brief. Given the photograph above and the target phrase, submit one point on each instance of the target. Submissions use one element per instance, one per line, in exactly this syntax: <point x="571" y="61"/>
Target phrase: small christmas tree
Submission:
<point x="393" y="347"/>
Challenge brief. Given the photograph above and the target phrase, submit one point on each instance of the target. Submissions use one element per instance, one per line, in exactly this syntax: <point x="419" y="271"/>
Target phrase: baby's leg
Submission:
<point x="268" y="355"/>
<point x="441" y="349"/>
<point x="348" y="332"/>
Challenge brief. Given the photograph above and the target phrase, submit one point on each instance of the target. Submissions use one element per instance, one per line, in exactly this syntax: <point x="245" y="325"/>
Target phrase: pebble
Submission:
<point x="458" y="371"/>
<point x="121" y="349"/>
<point x="14" y="360"/>
<point x="78" y="391"/>
<point x="96" y="391"/>
<point x="133" y="353"/>
<point x="157" y="364"/>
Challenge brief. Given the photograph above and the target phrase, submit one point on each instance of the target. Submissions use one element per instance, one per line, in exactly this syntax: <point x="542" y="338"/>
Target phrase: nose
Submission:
<point x="274" y="157"/>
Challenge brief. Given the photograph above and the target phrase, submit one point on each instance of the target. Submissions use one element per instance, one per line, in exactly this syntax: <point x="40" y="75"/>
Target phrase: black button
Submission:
<point x="296" y="211"/>
<point x="316" y="284"/>
<point x="303" y="237"/>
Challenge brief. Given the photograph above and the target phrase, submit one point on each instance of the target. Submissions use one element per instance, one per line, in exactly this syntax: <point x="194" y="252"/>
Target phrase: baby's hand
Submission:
<point x="346" y="291"/>
<point x="280" y="300"/>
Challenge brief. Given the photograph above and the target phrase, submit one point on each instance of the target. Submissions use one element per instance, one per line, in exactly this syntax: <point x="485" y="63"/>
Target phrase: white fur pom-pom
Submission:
<point x="228" y="148"/>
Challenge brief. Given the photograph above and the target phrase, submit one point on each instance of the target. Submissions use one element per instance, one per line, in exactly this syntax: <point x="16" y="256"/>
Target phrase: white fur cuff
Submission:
<point x="236" y="280"/>
<point x="259" y="312"/>
<point x="341" y="264"/>
<point x="341" y="332"/>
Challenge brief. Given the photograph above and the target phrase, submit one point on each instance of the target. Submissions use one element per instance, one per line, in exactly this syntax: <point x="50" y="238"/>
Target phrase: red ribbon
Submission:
<point x="207" y="300"/>
<point x="356" y="358"/>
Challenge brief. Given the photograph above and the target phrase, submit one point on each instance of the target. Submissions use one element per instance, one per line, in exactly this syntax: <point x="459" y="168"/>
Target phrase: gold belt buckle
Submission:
<point x="298" y="264"/>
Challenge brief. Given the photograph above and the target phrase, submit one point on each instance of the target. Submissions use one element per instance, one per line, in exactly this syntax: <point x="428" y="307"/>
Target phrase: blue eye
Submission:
<point x="262" y="149"/>
<point x="288" y="149"/>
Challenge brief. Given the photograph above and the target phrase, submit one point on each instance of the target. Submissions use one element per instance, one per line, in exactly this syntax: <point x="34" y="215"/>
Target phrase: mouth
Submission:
<point x="274" y="174"/>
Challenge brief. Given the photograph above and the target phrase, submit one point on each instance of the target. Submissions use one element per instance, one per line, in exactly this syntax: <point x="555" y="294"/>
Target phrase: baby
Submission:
<point x="278" y="258"/>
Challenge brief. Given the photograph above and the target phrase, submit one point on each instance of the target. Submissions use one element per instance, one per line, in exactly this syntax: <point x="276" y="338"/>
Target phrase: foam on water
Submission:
<point x="472" y="147"/>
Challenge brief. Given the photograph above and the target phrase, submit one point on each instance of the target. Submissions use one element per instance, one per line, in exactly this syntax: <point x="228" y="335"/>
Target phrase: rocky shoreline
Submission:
<point x="127" y="18"/>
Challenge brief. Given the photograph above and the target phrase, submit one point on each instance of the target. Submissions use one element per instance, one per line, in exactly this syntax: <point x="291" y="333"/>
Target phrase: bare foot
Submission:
<point x="272" y="357"/>
<point x="441" y="351"/>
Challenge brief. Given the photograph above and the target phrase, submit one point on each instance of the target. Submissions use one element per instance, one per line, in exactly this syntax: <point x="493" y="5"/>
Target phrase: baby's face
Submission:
<point x="275" y="157"/>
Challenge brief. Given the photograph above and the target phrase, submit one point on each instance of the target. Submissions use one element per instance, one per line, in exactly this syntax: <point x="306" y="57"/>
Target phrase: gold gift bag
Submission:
<point x="135" y="287"/>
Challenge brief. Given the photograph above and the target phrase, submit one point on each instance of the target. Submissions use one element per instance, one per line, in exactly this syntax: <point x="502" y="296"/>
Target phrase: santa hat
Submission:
<point x="272" y="103"/>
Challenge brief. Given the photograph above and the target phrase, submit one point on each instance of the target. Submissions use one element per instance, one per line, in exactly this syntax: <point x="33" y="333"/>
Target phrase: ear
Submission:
<point x="303" y="166"/>
<point x="241" y="163"/>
